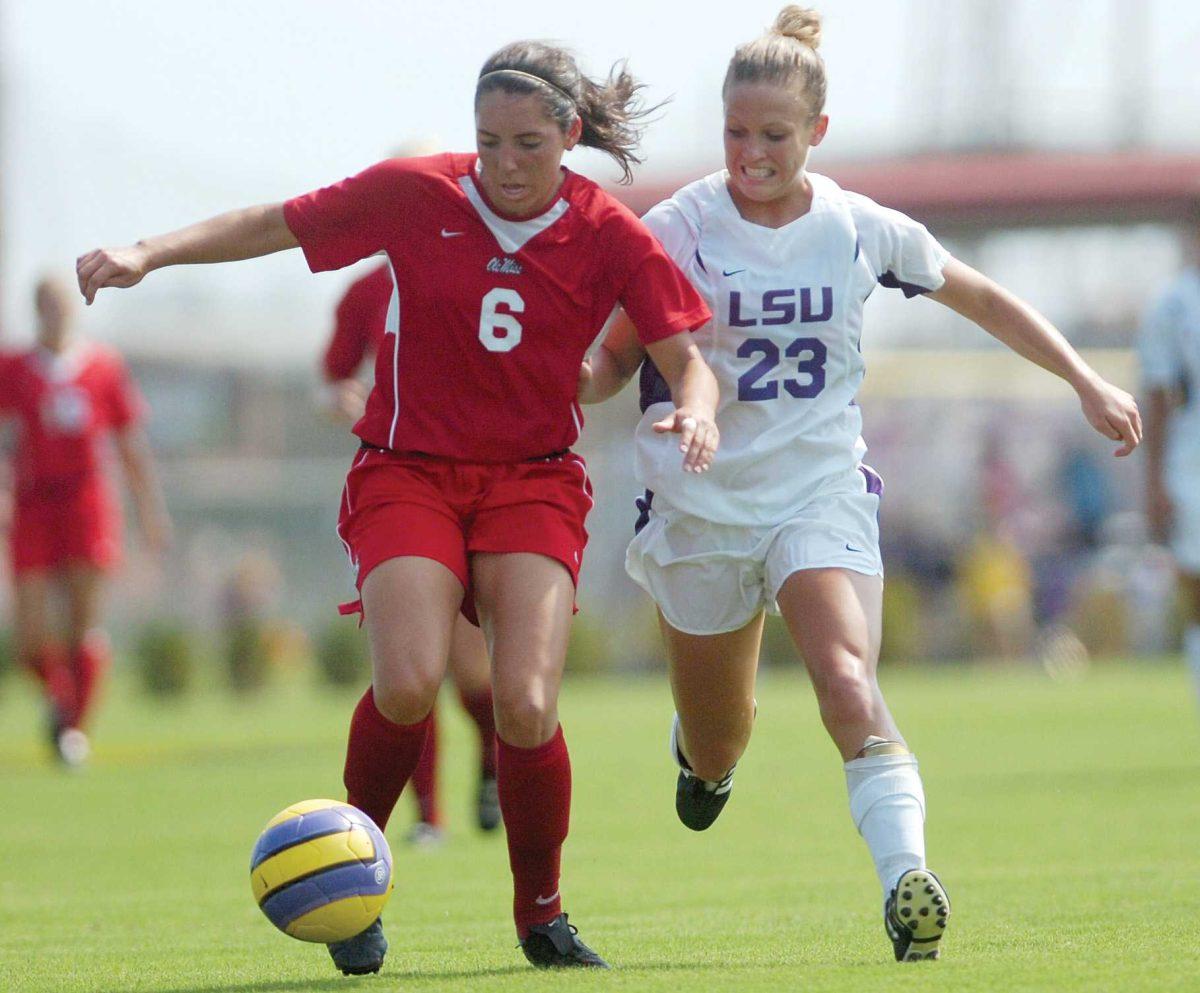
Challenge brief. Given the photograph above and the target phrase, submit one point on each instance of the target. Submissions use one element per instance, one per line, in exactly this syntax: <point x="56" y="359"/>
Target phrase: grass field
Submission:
<point x="1064" y="818"/>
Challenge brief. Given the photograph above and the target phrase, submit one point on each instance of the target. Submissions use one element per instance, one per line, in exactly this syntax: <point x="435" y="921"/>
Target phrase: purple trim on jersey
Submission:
<point x="652" y="387"/>
<point x="874" y="480"/>
<point x="643" y="504"/>
<point x="857" y="247"/>
<point x="892" y="282"/>
<point x="700" y="262"/>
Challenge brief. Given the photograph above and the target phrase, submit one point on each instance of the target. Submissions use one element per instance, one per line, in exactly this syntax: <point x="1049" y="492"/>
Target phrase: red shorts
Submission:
<point x="83" y="527"/>
<point x="410" y="504"/>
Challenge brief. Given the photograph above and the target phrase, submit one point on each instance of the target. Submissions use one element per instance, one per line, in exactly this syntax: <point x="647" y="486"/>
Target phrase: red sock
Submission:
<point x="535" y="799"/>
<point x="380" y="758"/>
<point x="479" y="707"/>
<point x="89" y="663"/>
<point x="424" y="777"/>
<point x="50" y="668"/>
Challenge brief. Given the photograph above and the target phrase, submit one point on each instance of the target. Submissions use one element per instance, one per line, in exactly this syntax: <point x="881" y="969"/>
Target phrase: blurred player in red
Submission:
<point x="466" y="494"/>
<point x="359" y="332"/>
<point x="68" y="397"/>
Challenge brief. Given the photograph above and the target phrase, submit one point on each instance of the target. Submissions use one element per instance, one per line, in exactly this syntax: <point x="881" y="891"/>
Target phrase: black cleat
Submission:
<point x="698" y="802"/>
<point x="557" y="946"/>
<point x="915" y="916"/>
<point x="362" y="954"/>
<point x="487" y="804"/>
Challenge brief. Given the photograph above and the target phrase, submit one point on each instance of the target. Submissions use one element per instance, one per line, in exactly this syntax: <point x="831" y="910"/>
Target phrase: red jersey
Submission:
<point x="489" y="317"/>
<point x="358" y="324"/>
<point x="64" y="405"/>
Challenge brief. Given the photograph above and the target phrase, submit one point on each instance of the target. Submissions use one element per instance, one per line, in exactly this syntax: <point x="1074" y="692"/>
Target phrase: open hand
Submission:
<point x="698" y="440"/>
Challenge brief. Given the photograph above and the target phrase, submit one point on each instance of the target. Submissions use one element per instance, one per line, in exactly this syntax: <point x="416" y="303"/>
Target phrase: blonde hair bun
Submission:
<point x="801" y="23"/>
<point x="785" y="56"/>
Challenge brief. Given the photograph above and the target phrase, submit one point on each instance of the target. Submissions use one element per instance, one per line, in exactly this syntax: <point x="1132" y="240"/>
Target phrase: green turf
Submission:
<point x="1063" y="817"/>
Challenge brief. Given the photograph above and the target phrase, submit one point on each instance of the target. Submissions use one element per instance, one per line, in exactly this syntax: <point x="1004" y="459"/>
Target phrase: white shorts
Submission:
<point x="711" y="578"/>
<point x="1185" y="525"/>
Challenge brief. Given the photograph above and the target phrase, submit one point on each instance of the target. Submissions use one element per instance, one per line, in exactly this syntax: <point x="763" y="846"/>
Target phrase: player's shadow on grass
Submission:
<point x="415" y="977"/>
<point x="346" y="982"/>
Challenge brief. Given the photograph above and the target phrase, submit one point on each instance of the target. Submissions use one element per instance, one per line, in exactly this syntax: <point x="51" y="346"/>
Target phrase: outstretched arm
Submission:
<point x="230" y="237"/>
<point x="1006" y="317"/>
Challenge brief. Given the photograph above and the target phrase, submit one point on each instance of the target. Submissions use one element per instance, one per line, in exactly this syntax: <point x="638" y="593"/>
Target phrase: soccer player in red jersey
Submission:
<point x="68" y="397"/>
<point x="358" y="332"/>
<point x="466" y="495"/>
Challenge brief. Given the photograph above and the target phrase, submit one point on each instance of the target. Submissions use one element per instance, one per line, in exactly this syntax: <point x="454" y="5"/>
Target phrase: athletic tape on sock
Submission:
<point x="875" y="745"/>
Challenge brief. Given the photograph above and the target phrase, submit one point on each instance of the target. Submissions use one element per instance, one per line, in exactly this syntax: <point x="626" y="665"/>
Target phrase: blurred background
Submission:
<point x="1052" y="145"/>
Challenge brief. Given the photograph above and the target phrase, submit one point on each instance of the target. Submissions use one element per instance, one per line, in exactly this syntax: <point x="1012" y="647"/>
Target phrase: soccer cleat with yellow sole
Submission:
<point x="915" y="916"/>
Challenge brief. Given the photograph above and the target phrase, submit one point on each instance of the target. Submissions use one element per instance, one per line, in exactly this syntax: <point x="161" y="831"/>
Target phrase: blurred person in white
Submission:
<point x="69" y="397"/>
<point x="1170" y="354"/>
<point x="786" y="518"/>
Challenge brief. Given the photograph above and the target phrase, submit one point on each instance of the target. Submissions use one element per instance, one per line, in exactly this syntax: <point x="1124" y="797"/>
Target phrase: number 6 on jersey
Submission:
<point x="499" y="331"/>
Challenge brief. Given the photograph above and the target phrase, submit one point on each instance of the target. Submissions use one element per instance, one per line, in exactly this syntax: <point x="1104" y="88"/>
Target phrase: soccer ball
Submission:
<point x="321" y="871"/>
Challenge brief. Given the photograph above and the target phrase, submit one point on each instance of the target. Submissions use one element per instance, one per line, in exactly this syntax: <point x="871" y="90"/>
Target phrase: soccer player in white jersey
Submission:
<point x="1170" y="354"/>
<point x="786" y="516"/>
<point x="465" y="496"/>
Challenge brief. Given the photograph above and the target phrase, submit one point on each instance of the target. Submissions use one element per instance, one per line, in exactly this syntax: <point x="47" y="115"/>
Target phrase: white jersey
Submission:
<point x="784" y="342"/>
<point x="1170" y="354"/>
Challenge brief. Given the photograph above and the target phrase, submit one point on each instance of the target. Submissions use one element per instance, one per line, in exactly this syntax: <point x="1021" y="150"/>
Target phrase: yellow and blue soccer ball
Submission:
<point x="321" y="871"/>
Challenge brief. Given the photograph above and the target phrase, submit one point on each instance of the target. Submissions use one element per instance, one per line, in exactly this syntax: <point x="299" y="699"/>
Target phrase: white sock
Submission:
<point x="1191" y="652"/>
<point x="887" y="803"/>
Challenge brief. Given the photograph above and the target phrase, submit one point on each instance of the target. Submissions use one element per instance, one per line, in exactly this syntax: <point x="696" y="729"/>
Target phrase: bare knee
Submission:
<point x="526" y="716"/>
<point x="845" y="690"/>
<point x="405" y="689"/>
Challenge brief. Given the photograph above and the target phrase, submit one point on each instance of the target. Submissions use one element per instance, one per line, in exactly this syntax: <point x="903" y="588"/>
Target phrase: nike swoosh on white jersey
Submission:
<point x="451" y="234"/>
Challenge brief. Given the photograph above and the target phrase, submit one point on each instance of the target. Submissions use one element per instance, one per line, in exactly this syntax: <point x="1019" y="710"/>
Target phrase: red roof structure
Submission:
<point x="1011" y="189"/>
